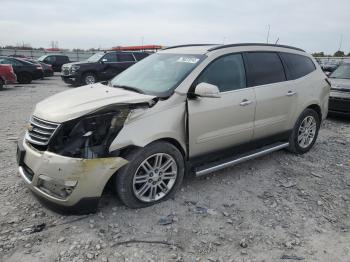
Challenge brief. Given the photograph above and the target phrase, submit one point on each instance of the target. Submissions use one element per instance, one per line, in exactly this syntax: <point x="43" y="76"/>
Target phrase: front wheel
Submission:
<point x="24" y="78"/>
<point x="89" y="78"/>
<point x="305" y="132"/>
<point x="153" y="174"/>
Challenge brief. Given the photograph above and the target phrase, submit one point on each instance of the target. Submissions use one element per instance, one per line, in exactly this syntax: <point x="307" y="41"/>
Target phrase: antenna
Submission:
<point x="268" y="34"/>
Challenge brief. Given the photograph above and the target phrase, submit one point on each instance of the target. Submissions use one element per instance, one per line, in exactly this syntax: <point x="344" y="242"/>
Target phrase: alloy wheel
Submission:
<point x="155" y="177"/>
<point x="307" y="131"/>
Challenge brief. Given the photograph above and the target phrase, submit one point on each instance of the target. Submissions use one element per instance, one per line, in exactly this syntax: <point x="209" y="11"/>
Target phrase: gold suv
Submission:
<point x="186" y="109"/>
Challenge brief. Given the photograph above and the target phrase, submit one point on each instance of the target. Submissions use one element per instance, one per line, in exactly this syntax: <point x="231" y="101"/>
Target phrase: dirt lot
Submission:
<point x="279" y="207"/>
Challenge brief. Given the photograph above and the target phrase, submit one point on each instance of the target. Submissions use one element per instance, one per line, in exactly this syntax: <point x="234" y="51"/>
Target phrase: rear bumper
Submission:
<point x="65" y="183"/>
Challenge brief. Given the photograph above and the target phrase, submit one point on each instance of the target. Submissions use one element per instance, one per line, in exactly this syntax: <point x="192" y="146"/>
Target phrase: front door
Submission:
<point x="219" y="123"/>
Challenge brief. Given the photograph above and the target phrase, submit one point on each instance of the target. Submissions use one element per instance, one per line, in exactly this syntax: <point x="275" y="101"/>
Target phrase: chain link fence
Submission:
<point x="35" y="54"/>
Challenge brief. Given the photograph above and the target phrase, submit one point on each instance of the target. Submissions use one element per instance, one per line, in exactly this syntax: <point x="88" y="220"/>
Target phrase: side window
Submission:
<point x="125" y="57"/>
<point x="10" y="61"/>
<point x="110" y="57"/>
<point x="264" y="68"/>
<point x="297" y="65"/>
<point x="50" y="59"/>
<point x="140" y="56"/>
<point x="226" y="72"/>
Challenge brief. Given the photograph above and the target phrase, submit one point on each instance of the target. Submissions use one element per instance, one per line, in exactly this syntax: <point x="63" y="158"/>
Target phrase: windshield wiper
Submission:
<point x="130" y="88"/>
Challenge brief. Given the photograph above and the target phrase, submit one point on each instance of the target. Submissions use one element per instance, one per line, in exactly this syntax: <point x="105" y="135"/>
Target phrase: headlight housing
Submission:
<point x="88" y="136"/>
<point x="74" y="68"/>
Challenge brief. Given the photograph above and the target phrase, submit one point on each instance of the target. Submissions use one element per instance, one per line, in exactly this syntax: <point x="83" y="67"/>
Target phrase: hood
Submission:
<point x="338" y="83"/>
<point x="78" y="63"/>
<point x="83" y="100"/>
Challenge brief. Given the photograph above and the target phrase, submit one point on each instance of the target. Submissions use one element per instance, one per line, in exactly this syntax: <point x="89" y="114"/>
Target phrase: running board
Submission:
<point x="215" y="166"/>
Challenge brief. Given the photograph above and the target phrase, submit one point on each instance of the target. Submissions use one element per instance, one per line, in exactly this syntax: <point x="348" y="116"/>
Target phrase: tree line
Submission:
<point x="336" y="54"/>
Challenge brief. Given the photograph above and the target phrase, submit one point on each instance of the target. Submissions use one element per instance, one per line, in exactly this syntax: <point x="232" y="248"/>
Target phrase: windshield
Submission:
<point x="158" y="74"/>
<point x="41" y="58"/>
<point x="343" y="72"/>
<point x="95" y="57"/>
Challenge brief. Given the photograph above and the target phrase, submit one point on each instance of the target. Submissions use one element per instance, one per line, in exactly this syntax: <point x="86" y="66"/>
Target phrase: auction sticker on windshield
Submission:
<point x="191" y="60"/>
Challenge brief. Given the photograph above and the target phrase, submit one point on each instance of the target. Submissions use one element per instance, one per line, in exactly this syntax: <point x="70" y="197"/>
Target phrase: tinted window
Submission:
<point x="50" y="59"/>
<point x="110" y="58"/>
<point x="10" y="61"/>
<point x="140" y="56"/>
<point x="226" y="72"/>
<point x="62" y="59"/>
<point x="125" y="58"/>
<point x="264" y="68"/>
<point x="297" y="65"/>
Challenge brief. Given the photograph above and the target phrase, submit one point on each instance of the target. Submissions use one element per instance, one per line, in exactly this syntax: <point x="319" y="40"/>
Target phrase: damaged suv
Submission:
<point x="188" y="109"/>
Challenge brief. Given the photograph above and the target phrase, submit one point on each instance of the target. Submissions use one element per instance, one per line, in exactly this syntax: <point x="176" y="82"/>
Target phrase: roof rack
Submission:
<point x="176" y="46"/>
<point x="254" y="44"/>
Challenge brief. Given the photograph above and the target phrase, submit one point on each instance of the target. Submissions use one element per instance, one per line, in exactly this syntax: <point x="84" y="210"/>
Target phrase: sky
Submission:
<point x="313" y="25"/>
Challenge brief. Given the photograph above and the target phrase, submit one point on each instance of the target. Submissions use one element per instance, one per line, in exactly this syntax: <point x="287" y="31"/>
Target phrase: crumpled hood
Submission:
<point x="338" y="83"/>
<point x="79" y="101"/>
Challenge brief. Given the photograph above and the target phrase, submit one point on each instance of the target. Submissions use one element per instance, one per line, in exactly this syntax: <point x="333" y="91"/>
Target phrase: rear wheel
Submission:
<point x="89" y="78"/>
<point x="24" y="78"/>
<point x="305" y="132"/>
<point x="153" y="174"/>
<point x="1" y="83"/>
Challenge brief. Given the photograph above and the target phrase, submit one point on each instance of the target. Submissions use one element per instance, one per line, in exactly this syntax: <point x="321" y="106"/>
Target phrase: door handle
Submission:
<point x="291" y="93"/>
<point x="245" y="102"/>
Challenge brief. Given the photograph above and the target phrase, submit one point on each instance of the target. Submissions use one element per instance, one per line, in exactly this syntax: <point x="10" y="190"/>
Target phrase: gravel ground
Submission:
<point x="280" y="207"/>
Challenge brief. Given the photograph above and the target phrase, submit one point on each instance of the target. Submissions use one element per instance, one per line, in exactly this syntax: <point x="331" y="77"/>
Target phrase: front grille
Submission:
<point x="40" y="131"/>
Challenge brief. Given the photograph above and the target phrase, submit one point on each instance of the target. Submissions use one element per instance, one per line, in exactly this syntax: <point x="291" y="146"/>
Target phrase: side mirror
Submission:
<point x="327" y="73"/>
<point x="207" y="90"/>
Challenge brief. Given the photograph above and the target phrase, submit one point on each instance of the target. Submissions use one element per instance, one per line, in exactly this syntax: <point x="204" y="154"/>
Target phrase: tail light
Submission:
<point x="11" y="69"/>
<point x="39" y="67"/>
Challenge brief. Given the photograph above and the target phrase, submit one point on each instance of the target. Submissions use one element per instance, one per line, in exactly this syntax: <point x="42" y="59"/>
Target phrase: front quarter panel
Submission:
<point x="163" y="121"/>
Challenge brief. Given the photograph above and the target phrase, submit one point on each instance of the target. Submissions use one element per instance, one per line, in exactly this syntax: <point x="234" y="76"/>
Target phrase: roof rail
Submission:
<point x="176" y="46"/>
<point x="254" y="44"/>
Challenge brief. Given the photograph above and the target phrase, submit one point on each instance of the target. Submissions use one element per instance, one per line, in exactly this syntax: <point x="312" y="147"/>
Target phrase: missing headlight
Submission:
<point x="89" y="136"/>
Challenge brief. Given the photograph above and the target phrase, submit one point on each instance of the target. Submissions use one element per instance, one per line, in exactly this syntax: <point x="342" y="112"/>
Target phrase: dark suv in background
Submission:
<point x="56" y="61"/>
<point x="99" y="67"/>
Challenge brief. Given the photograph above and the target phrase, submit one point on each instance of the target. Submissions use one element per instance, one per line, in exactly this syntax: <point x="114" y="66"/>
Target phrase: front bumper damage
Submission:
<point x="65" y="183"/>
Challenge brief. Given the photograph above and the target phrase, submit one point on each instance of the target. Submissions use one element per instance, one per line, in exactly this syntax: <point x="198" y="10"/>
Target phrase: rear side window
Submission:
<point x="297" y="65"/>
<point x="264" y="68"/>
<point x="125" y="58"/>
<point x="140" y="56"/>
<point x="226" y="72"/>
<point x="62" y="59"/>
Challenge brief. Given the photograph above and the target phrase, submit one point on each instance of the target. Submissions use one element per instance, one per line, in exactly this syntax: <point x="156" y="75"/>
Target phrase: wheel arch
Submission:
<point x="317" y="109"/>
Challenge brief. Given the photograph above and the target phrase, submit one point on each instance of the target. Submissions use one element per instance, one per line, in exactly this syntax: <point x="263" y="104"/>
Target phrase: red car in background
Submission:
<point x="7" y="75"/>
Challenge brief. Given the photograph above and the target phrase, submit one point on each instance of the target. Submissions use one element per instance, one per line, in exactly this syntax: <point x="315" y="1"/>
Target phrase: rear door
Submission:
<point x="125" y="60"/>
<point x="276" y="98"/>
<point x="219" y="123"/>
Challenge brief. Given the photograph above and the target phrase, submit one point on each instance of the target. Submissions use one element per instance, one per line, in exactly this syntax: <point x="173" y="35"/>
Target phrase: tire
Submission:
<point x="296" y="144"/>
<point x="128" y="179"/>
<point x="24" y="78"/>
<point x="1" y="84"/>
<point x="89" y="78"/>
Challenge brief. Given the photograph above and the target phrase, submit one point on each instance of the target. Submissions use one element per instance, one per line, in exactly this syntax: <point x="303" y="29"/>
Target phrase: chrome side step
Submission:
<point x="215" y="167"/>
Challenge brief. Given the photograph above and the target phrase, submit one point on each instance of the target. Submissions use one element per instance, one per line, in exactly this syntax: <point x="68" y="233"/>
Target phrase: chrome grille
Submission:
<point x="40" y="131"/>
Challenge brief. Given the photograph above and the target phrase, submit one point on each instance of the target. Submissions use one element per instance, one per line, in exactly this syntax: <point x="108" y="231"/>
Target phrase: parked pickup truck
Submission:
<point x="99" y="67"/>
<point x="56" y="61"/>
<point x="7" y="75"/>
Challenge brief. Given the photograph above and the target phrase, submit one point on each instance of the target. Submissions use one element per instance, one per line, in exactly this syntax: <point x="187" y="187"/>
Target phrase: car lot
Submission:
<point x="261" y="210"/>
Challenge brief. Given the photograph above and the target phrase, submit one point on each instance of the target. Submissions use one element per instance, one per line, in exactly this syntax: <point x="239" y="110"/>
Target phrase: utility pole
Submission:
<point x="340" y="42"/>
<point x="268" y="34"/>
